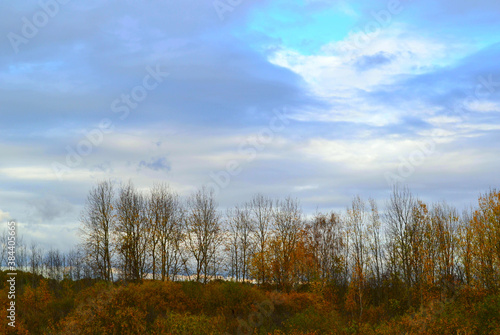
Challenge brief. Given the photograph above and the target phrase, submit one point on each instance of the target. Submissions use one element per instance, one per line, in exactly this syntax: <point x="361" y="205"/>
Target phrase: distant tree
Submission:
<point x="54" y="262"/>
<point x="74" y="260"/>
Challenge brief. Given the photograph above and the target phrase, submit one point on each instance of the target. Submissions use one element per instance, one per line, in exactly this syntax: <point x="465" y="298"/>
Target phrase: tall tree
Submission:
<point x="400" y="215"/>
<point x="261" y="214"/>
<point x="376" y="248"/>
<point x="357" y="223"/>
<point x="326" y="242"/>
<point x="203" y="233"/>
<point x="98" y="218"/>
<point x="133" y="232"/>
<point x="165" y="216"/>
<point x="289" y="226"/>
<point x="241" y="244"/>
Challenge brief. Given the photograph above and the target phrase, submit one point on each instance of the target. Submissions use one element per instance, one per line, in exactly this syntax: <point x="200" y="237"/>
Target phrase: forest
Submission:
<point x="153" y="262"/>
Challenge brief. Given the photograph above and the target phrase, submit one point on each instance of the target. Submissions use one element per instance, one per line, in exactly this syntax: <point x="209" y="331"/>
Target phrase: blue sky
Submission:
<point x="318" y="99"/>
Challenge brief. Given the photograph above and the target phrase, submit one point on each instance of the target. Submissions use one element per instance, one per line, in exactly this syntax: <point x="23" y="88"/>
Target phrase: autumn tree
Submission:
<point x="445" y="229"/>
<point x="289" y="226"/>
<point x="485" y="235"/>
<point x="132" y="233"/>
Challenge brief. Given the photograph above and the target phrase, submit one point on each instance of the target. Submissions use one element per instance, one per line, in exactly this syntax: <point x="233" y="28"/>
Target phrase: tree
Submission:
<point x="357" y="223"/>
<point x="98" y="218"/>
<point x="326" y="242"/>
<point x="54" y="263"/>
<point x="133" y="233"/>
<point x="75" y="264"/>
<point x="289" y="227"/>
<point x="36" y="260"/>
<point x="203" y="233"/>
<point x="445" y="224"/>
<point x="376" y="247"/>
<point x="261" y="214"/>
<point x="485" y="229"/>
<point x="400" y="215"/>
<point x="165" y="216"/>
<point x="241" y="244"/>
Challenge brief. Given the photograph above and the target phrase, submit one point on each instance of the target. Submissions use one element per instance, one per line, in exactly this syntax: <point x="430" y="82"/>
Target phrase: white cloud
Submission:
<point x="484" y="106"/>
<point x="344" y="72"/>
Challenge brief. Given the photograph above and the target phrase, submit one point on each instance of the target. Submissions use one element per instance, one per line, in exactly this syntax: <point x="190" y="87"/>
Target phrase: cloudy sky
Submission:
<point x="318" y="99"/>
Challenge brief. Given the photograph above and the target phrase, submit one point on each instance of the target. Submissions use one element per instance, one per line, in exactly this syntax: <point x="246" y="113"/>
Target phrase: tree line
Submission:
<point x="406" y="255"/>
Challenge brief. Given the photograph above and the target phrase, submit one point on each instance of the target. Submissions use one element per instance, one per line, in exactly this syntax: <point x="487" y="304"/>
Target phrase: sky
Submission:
<point x="320" y="100"/>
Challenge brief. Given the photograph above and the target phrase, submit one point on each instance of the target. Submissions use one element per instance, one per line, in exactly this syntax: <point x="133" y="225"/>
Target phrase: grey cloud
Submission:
<point x="48" y="208"/>
<point x="155" y="164"/>
<point x="373" y="61"/>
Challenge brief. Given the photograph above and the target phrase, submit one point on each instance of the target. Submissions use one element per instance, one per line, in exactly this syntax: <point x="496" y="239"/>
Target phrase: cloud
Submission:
<point x="48" y="208"/>
<point x="156" y="164"/>
<point x="372" y="61"/>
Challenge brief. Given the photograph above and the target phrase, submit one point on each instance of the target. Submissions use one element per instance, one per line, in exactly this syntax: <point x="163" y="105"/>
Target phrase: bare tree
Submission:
<point x="165" y="215"/>
<point x="289" y="226"/>
<point x="53" y="262"/>
<point x="74" y="260"/>
<point x="97" y="221"/>
<point x="325" y="239"/>
<point x="261" y="215"/>
<point x="132" y="232"/>
<point x="36" y="259"/>
<point x="203" y="233"/>
<point x="4" y="250"/>
<point x="357" y="224"/>
<point x="241" y="245"/>
<point x="376" y="247"/>
<point x="404" y="232"/>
